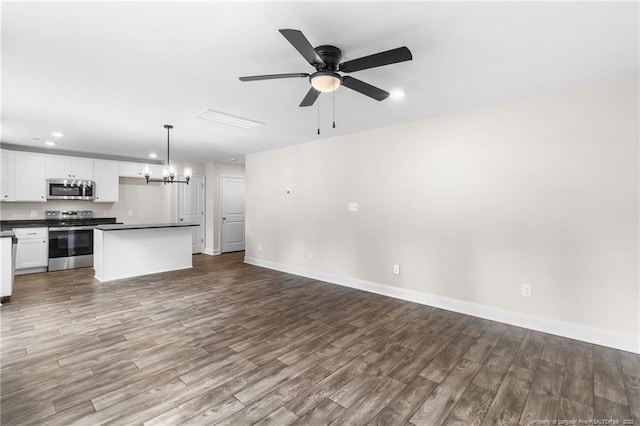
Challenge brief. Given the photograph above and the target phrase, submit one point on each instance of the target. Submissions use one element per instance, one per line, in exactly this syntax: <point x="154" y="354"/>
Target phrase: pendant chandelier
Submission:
<point x="169" y="171"/>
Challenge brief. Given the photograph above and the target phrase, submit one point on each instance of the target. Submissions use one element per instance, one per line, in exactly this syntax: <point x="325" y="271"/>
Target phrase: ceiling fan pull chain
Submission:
<point x="334" y="109"/>
<point x="318" y="117"/>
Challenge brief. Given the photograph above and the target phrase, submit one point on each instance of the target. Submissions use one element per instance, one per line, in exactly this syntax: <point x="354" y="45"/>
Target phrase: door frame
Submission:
<point x="220" y="207"/>
<point x="203" y="194"/>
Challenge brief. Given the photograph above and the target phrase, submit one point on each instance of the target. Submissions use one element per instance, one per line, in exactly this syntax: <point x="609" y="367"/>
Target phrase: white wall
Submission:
<point x="543" y="191"/>
<point x="214" y="170"/>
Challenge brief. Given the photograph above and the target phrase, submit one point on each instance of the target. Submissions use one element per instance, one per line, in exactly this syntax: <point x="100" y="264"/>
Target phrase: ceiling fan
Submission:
<point x="326" y="60"/>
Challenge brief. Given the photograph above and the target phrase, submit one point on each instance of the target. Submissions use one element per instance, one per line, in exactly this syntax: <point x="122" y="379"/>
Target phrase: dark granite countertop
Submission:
<point x="7" y="234"/>
<point x="143" y="226"/>
<point x="7" y="225"/>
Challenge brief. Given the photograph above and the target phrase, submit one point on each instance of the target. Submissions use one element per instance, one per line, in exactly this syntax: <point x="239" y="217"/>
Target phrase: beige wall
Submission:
<point x="147" y="203"/>
<point x="471" y="205"/>
<point x="214" y="170"/>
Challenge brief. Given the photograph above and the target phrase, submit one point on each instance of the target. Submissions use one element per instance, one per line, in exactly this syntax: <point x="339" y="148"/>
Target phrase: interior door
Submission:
<point x="191" y="209"/>
<point x="232" y="209"/>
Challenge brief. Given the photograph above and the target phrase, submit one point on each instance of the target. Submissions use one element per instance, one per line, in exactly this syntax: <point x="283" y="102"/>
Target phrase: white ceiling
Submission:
<point x="109" y="75"/>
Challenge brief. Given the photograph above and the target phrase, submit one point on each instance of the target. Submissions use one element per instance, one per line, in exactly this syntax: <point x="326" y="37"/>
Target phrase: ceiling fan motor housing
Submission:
<point x="326" y="79"/>
<point x="330" y="55"/>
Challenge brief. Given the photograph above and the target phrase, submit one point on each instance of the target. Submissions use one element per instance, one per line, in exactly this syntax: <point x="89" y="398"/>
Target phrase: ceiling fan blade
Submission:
<point x="272" y="76"/>
<point x="388" y="57"/>
<point x="302" y="45"/>
<point x="364" y="88"/>
<point x="310" y="97"/>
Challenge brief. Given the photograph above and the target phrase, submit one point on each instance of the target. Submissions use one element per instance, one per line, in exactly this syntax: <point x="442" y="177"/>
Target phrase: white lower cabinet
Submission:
<point x="6" y="272"/>
<point x="33" y="249"/>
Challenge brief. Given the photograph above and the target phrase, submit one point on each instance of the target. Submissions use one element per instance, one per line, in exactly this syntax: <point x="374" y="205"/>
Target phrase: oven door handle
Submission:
<point x="72" y="228"/>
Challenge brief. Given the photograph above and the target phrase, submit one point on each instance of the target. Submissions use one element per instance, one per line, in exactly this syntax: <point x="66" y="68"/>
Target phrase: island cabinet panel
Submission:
<point x="131" y="252"/>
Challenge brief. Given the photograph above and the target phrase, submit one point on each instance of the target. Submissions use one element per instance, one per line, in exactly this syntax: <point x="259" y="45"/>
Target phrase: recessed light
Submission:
<point x="397" y="94"/>
<point x="50" y="143"/>
<point x="57" y="134"/>
<point x="153" y="155"/>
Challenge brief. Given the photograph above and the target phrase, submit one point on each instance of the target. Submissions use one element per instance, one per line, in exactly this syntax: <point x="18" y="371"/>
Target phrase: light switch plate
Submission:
<point x="353" y="207"/>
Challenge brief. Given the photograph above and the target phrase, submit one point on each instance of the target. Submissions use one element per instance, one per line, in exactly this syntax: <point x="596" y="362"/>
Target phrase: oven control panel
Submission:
<point x="70" y="214"/>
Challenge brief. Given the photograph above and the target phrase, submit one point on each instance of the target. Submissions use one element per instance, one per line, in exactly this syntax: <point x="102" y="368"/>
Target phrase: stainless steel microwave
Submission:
<point x="70" y="189"/>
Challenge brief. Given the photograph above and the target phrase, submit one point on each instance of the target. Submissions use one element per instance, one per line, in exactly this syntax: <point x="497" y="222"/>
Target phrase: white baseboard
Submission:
<point x="211" y="252"/>
<point x="598" y="336"/>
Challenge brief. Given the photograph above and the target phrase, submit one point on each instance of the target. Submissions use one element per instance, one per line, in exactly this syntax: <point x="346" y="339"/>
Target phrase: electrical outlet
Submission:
<point x="310" y="255"/>
<point x="130" y="212"/>
<point x="34" y="213"/>
<point x="526" y="290"/>
<point x="259" y="247"/>
<point x="396" y="269"/>
<point x="352" y="207"/>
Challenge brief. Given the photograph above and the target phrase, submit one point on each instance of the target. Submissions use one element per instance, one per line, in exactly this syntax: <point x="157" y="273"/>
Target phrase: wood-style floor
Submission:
<point x="234" y="344"/>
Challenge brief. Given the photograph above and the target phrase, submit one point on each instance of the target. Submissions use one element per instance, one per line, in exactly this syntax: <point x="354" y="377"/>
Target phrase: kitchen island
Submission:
<point x="124" y="251"/>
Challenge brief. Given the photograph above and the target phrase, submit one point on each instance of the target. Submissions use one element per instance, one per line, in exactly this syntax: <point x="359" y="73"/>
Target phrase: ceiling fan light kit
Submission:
<point x="325" y="81"/>
<point x="326" y="60"/>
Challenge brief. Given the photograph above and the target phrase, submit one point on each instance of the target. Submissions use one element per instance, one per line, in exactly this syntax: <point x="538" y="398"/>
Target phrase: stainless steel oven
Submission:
<point x="71" y="238"/>
<point x="70" y="189"/>
<point x="70" y="247"/>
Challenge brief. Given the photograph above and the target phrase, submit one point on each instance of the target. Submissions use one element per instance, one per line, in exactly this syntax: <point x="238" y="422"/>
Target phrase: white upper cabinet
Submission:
<point x="69" y="167"/>
<point x="137" y="170"/>
<point x="30" y="180"/>
<point x="106" y="175"/>
<point x="7" y="176"/>
<point x="23" y="175"/>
